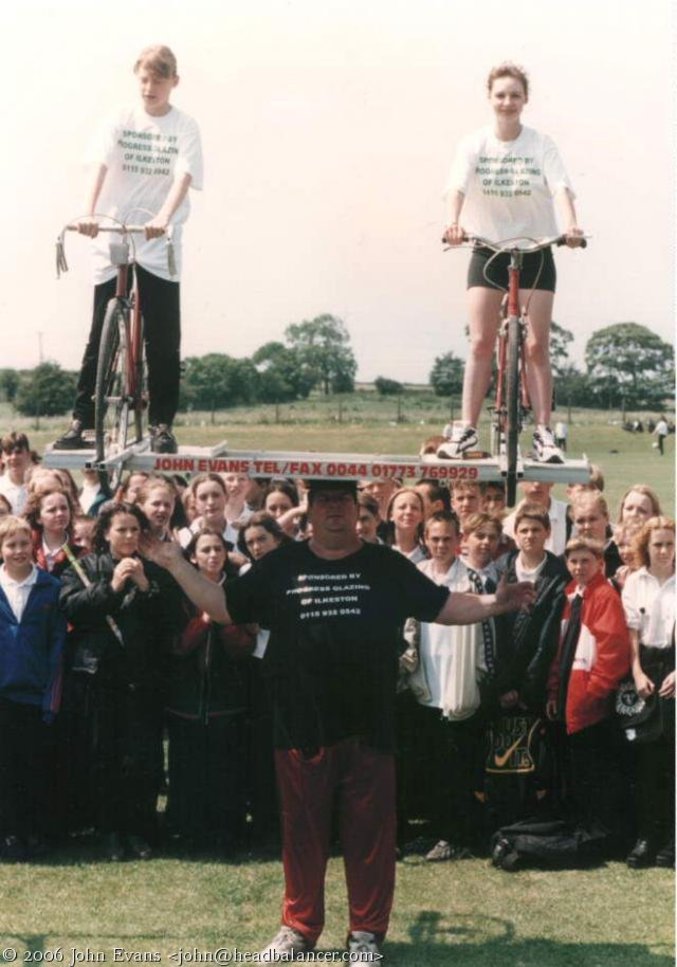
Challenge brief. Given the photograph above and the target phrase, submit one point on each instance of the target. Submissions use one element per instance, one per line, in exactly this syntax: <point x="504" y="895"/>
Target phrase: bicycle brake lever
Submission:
<point x="171" y="261"/>
<point x="61" y="263"/>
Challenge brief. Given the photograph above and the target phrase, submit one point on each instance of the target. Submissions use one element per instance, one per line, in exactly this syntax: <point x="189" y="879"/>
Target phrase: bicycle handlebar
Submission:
<point x="121" y="229"/>
<point x="537" y="245"/>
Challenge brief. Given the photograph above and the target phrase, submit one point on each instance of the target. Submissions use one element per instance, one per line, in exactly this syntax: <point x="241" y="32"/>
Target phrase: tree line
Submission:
<point x="627" y="366"/>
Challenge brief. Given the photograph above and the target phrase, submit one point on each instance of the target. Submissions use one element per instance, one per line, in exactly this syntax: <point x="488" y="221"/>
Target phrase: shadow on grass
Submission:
<point x="482" y="941"/>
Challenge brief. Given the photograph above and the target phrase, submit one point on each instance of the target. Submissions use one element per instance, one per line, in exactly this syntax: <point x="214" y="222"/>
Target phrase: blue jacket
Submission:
<point x="31" y="650"/>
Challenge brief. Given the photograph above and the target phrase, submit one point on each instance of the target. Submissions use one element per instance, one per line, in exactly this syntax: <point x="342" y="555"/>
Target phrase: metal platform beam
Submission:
<point x="316" y="466"/>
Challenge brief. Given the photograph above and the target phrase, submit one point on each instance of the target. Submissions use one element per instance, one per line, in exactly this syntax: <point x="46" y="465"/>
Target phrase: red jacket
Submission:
<point x="602" y="659"/>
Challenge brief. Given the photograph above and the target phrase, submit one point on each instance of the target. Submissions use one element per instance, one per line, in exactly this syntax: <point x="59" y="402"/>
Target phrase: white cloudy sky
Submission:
<point x="328" y="130"/>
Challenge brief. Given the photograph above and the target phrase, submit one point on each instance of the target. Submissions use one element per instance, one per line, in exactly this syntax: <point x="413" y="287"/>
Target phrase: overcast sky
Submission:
<point x="328" y="129"/>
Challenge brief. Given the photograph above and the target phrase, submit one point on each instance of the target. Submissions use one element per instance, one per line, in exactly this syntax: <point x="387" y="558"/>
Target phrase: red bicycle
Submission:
<point x="120" y="395"/>
<point x="512" y="403"/>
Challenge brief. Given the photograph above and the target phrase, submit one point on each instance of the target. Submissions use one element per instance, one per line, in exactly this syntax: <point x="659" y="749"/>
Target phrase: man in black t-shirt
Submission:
<point x="334" y="606"/>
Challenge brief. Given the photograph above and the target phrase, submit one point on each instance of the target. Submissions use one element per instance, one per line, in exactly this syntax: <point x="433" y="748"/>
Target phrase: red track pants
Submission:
<point x="362" y="782"/>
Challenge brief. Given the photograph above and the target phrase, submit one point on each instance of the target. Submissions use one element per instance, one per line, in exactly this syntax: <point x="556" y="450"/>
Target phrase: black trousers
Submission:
<point x="160" y="307"/>
<point x="115" y="737"/>
<point x="599" y="790"/>
<point x="23" y="769"/>
<point x="207" y="801"/>
<point x="440" y="771"/>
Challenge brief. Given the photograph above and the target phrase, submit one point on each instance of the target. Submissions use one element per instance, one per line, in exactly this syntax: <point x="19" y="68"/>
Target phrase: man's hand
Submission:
<point x="164" y="553"/>
<point x="551" y="709"/>
<point x="517" y="596"/>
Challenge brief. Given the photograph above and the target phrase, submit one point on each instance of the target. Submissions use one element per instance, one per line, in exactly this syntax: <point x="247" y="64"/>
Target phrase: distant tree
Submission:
<point x="9" y="384"/>
<point x="628" y="363"/>
<point x="446" y="376"/>
<point x="323" y="348"/>
<point x="560" y="339"/>
<point x="217" y="381"/>
<point x="388" y="387"/>
<point x="47" y="390"/>
<point x="283" y="375"/>
<point x="573" y="388"/>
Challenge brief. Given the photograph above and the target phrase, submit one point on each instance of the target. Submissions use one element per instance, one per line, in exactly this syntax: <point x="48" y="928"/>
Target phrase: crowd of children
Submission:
<point x="116" y="691"/>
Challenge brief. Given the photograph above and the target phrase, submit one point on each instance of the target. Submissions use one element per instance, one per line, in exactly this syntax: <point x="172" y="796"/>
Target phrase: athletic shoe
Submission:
<point x="363" y="947"/>
<point x="162" y="440"/>
<point x="545" y="448"/>
<point x="440" y="852"/>
<point x="73" y="439"/>
<point x="287" y="943"/>
<point x="462" y="439"/>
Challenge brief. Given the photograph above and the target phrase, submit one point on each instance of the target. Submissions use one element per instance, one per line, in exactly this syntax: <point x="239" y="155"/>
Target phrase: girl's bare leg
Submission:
<point x="537" y="352"/>
<point x="483" y="306"/>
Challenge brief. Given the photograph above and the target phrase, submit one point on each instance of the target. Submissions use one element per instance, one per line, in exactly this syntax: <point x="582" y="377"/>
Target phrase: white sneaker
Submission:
<point x="545" y="448"/>
<point x="287" y="942"/>
<point x="363" y="948"/>
<point x="462" y="439"/>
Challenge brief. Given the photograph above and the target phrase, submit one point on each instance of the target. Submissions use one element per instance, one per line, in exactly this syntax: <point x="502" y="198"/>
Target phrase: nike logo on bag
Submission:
<point x="501" y="760"/>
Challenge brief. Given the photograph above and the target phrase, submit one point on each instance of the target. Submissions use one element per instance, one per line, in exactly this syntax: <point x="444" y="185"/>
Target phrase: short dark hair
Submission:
<point x="436" y="492"/>
<point x="316" y="487"/>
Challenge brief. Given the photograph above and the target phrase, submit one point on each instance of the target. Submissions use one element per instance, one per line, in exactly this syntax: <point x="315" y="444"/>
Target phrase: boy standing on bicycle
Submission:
<point x="143" y="161"/>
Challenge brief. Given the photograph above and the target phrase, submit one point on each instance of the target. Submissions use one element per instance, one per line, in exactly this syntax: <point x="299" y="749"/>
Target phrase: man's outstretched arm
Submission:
<point x="206" y="595"/>
<point x="462" y="608"/>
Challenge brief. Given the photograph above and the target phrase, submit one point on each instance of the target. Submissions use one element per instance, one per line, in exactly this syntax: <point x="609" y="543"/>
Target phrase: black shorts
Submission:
<point x="538" y="270"/>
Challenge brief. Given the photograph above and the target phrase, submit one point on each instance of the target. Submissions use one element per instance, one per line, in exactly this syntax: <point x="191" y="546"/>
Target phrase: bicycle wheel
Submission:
<point x="139" y="387"/>
<point x="512" y="405"/>
<point x="111" y="398"/>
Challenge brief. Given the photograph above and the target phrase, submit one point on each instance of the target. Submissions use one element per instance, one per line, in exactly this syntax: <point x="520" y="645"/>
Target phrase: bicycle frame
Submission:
<point x="128" y="297"/>
<point x="512" y="393"/>
<point x="511" y="314"/>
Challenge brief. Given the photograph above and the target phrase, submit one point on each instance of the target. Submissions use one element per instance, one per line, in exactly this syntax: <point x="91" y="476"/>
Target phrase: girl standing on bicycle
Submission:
<point x="143" y="160"/>
<point x="503" y="182"/>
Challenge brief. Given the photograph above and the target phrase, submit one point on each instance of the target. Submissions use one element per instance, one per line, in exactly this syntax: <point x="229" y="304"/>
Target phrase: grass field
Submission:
<point x="461" y="913"/>
<point x="455" y="913"/>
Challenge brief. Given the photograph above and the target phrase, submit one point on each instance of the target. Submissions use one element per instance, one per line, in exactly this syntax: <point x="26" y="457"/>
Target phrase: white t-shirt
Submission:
<point x="508" y="185"/>
<point x="143" y="155"/>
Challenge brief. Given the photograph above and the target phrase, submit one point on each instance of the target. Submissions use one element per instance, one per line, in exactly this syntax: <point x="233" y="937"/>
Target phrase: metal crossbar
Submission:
<point x="316" y="466"/>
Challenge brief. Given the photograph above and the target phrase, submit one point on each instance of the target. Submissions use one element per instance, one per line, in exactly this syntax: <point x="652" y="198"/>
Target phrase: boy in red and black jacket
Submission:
<point x="592" y="658"/>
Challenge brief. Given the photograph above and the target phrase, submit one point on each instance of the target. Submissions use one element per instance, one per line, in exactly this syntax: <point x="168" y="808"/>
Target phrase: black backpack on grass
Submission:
<point x="551" y="844"/>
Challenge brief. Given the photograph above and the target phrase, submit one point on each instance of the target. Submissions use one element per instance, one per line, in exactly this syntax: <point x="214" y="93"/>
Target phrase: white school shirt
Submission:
<point x="16" y="494"/>
<point x="17" y="592"/>
<point x="650" y="608"/>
